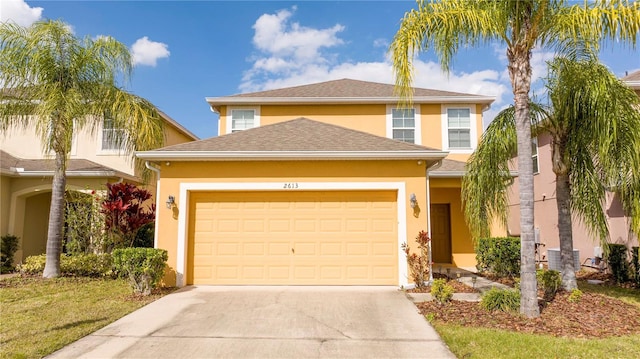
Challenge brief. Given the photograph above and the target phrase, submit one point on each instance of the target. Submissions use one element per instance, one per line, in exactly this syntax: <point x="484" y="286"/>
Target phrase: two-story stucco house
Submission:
<point x="546" y="211"/>
<point x="26" y="173"/>
<point x="318" y="185"/>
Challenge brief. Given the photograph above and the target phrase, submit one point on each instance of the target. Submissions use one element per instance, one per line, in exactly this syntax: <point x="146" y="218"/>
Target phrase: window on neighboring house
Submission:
<point x="403" y="122"/>
<point x="534" y="154"/>
<point x="112" y="138"/>
<point x="242" y="120"/>
<point x="459" y="127"/>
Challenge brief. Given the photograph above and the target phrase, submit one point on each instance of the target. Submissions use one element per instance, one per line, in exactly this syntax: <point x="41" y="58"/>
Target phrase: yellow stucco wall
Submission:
<point x="371" y="118"/>
<point x="5" y="203"/>
<point x="447" y="191"/>
<point x="409" y="172"/>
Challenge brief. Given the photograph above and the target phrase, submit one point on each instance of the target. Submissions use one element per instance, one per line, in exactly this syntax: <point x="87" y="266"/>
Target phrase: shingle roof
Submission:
<point x="12" y="165"/>
<point x="634" y="76"/>
<point x="295" y="136"/>
<point x="633" y="80"/>
<point x="344" y="90"/>
<point x="449" y="168"/>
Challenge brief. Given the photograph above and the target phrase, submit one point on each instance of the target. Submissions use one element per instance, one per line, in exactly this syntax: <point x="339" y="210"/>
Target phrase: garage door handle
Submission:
<point x="293" y="251"/>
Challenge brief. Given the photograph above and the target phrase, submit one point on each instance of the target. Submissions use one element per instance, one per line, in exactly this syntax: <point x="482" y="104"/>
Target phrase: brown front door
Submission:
<point x="441" y="233"/>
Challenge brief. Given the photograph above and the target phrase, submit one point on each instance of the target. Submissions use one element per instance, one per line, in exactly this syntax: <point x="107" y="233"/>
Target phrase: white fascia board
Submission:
<point x="633" y="84"/>
<point x="447" y="174"/>
<point x="289" y="155"/>
<point x="223" y="101"/>
<point x="73" y="174"/>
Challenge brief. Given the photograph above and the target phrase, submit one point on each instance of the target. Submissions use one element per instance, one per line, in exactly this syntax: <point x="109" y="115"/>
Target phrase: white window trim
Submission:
<point x="101" y="151"/>
<point x="187" y="188"/>
<point x="473" y="133"/>
<point x="229" y="122"/>
<point x="417" y="137"/>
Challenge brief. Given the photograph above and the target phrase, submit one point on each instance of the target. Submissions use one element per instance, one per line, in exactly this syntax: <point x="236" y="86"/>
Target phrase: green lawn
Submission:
<point x="469" y="342"/>
<point x="40" y="316"/>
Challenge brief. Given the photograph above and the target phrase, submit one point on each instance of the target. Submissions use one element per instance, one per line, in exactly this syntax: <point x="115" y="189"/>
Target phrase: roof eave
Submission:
<point x="288" y="155"/>
<point x="225" y="101"/>
<point x="70" y="174"/>
<point x="447" y="174"/>
<point x="633" y="84"/>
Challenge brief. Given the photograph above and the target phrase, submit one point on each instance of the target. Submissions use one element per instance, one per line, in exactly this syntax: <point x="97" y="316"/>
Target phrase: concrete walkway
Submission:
<point x="268" y="322"/>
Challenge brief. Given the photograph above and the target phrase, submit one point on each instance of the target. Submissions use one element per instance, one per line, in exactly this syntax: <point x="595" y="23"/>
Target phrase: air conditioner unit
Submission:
<point x="554" y="259"/>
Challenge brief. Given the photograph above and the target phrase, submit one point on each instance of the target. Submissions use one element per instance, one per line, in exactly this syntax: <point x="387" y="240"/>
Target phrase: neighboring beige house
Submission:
<point x="26" y="173"/>
<point x="546" y="213"/>
<point x="318" y="184"/>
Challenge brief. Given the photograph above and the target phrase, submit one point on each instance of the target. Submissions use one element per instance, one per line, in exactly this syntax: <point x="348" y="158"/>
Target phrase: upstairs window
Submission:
<point x="242" y="120"/>
<point x="534" y="155"/>
<point x="459" y="128"/>
<point x="112" y="138"/>
<point x="403" y="123"/>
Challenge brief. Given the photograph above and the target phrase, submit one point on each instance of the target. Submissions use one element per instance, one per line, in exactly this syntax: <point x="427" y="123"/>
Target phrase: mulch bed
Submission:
<point x="457" y="286"/>
<point x="594" y="316"/>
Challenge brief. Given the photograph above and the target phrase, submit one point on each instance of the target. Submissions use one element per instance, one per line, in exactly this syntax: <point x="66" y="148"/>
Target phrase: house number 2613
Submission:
<point x="290" y="185"/>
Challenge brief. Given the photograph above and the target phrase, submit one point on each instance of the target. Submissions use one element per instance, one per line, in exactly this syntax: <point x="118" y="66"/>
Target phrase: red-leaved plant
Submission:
<point x="125" y="213"/>
<point x="419" y="263"/>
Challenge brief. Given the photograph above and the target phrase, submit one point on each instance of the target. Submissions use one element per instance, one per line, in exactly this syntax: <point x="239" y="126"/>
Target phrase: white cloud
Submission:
<point x="291" y="55"/>
<point x="147" y="52"/>
<point x="19" y="12"/>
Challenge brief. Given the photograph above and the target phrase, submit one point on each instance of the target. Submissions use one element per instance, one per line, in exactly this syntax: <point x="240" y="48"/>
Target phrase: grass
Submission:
<point x="41" y="316"/>
<point x="468" y="342"/>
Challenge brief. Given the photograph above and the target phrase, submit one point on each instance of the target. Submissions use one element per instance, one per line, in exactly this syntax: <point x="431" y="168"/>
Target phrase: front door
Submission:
<point x="441" y="233"/>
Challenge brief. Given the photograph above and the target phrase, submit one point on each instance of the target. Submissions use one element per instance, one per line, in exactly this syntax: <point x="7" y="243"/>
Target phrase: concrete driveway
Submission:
<point x="268" y="322"/>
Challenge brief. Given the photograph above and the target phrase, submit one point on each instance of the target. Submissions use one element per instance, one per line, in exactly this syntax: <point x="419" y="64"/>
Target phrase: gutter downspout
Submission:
<point x="155" y="230"/>
<point x="426" y="173"/>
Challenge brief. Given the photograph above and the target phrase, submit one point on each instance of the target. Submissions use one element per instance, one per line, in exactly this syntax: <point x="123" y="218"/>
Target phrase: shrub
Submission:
<point x="499" y="255"/>
<point x="143" y="267"/>
<point x="125" y="213"/>
<point x="144" y="237"/>
<point x="86" y="265"/>
<point x="419" y="264"/>
<point x="33" y="264"/>
<point x="575" y="296"/>
<point x="77" y="265"/>
<point x="636" y="264"/>
<point x="8" y="248"/>
<point x="441" y="291"/>
<point x="617" y="259"/>
<point x="505" y="300"/>
<point x="84" y="224"/>
<point x="550" y="282"/>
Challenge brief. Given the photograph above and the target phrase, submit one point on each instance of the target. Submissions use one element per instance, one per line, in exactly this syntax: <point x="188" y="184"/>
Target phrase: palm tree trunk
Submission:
<point x="563" y="201"/>
<point x="520" y="73"/>
<point x="565" y="233"/>
<point x="56" y="218"/>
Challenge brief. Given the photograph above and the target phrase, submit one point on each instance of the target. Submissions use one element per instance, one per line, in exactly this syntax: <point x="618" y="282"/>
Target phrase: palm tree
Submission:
<point x="594" y="125"/>
<point x="58" y="83"/>
<point x="521" y="25"/>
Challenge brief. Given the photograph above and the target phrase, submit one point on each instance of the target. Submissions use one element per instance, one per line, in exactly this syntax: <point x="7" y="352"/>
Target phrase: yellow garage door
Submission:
<point x="293" y="238"/>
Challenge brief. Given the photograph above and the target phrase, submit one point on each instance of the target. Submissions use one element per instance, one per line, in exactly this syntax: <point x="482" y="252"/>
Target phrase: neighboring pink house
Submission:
<point x="546" y="212"/>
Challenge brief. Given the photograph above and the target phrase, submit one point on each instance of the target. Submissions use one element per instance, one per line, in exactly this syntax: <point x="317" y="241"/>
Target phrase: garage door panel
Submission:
<point x="322" y="237"/>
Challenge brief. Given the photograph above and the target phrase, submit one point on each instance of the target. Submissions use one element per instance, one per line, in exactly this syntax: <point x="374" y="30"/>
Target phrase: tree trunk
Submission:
<point x="563" y="202"/>
<point x="520" y="72"/>
<point x="56" y="218"/>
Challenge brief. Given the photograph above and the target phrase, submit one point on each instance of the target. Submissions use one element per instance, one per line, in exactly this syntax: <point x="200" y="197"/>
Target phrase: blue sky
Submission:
<point x="188" y="50"/>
